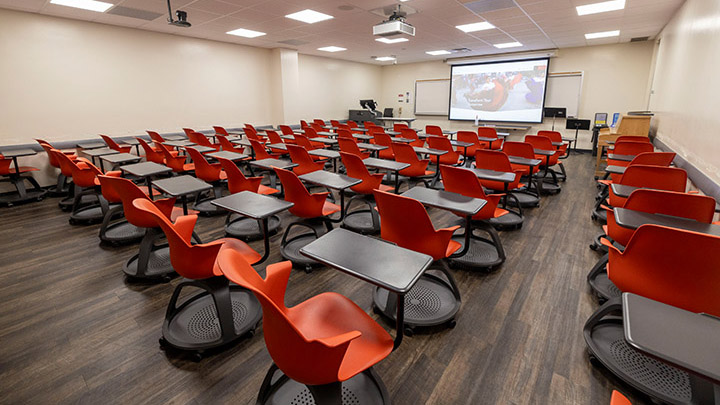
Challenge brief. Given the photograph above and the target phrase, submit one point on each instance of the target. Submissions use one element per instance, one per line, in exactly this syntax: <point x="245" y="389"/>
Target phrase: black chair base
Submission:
<point x="365" y="221"/>
<point x="248" y="229"/>
<point x="152" y="261"/>
<point x="510" y="221"/>
<point x="87" y="216"/>
<point x="206" y="208"/>
<point x="432" y="301"/>
<point x="605" y="338"/>
<point x="597" y="245"/>
<point x="215" y="317"/>
<point x="599" y="282"/>
<point x="482" y="254"/>
<point x="524" y="199"/>
<point x="290" y="247"/>
<point x="60" y="189"/>
<point x="364" y="388"/>
<point x="14" y="198"/>
<point x="600" y="215"/>
<point x="120" y="231"/>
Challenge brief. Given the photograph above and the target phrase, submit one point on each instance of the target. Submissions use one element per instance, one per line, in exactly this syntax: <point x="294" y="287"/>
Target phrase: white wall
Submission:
<point x="330" y="87"/>
<point x="615" y="80"/>
<point x="686" y="86"/>
<point x="68" y="79"/>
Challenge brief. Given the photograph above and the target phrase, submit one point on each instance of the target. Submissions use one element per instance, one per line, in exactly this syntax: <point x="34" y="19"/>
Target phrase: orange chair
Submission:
<point x="320" y="342"/>
<point x="61" y="186"/>
<point x="399" y="126"/>
<point x="692" y="206"/>
<point x="226" y="312"/>
<point x="383" y="139"/>
<point x="188" y="131"/>
<point x="488" y="132"/>
<point x="114" y="146"/>
<point x="405" y="222"/>
<point x="365" y="221"/>
<point x="305" y="142"/>
<point x="155" y="137"/>
<point x="664" y="159"/>
<point x="152" y="260"/>
<point x="314" y="211"/>
<point x="317" y="127"/>
<point x="226" y="145"/>
<point x="252" y="134"/>
<point x="544" y="143"/>
<point x="618" y="399"/>
<point x="470" y="137"/>
<point x="151" y="154"/>
<point x="433" y="130"/>
<point x="418" y="167"/>
<point x="260" y="151"/>
<point x="629" y="149"/>
<point x="86" y="210"/>
<point x="115" y="229"/>
<point x="529" y="197"/>
<point x="668" y="265"/>
<point x="273" y="137"/>
<point x="305" y="162"/>
<point x="334" y="123"/>
<point x="483" y="253"/>
<point x="222" y="131"/>
<point x="66" y="167"/>
<point x="452" y="157"/>
<point x="654" y="177"/>
<point x="350" y="146"/>
<point x="176" y="162"/>
<point x="210" y="173"/>
<point x="498" y="161"/>
<point x="202" y="140"/>
<point x="411" y="134"/>
<point x="556" y="137"/>
<point x="286" y="130"/>
<point x="318" y="122"/>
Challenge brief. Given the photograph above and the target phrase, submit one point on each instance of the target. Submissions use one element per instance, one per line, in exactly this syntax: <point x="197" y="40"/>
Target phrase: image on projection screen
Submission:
<point x="512" y="91"/>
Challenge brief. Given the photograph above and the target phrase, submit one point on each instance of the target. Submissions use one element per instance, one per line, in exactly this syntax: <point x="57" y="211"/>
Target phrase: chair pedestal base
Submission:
<point x="248" y="229"/>
<point x="482" y="254"/>
<point x="365" y="221"/>
<point x="87" y="215"/>
<point x="432" y="301"/>
<point x="524" y="199"/>
<point x="22" y="194"/>
<point x="151" y="262"/>
<point x="509" y="221"/>
<point x="290" y="246"/>
<point x="605" y="338"/>
<point x="215" y="317"/>
<point x="600" y="215"/>
<point x="365" y="388"/>
<point x="207" y="208"/>
<point x="120" y="231"/>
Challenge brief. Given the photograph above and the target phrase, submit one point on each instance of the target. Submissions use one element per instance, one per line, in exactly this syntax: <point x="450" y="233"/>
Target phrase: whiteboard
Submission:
<point x="565" y="90"/>
<point x="432" y="97"/>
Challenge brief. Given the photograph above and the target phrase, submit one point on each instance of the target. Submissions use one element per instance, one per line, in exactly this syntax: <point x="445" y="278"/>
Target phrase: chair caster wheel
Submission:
<point x="408" y="331"/>
<point x="593" y="246"/>
<point x="593" y="360"/>
<point x="250" y="333"/>
<point x="376" y="310"/>
<point x="308" y="269"/>
<point x="452" y="324"/>
<point x="197" y="356"/>
<point x="163" y="343"/>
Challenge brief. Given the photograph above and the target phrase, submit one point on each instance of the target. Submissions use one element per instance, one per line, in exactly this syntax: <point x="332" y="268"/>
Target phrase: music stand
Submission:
<point x="555" y="112"/>
<point x="577" y="125"/>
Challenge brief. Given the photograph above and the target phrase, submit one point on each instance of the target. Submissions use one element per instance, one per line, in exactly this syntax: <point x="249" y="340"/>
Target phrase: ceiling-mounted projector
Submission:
<point x="394" y="25"/>
<point x="181" y="18"/>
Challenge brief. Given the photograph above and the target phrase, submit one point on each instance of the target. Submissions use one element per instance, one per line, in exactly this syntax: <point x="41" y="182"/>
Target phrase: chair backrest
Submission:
<point x="519" y="149"/>
<point x="151" y="154"/>
<point x="400" y="125"/>
<point x="303" y="124"/>
<point x="128" y="192"/>
<point x="356" y="169"/>
<point x="539" y="142"/>
<point x="345" y="127"/>
<point x="188" y="131"/>
<point x="306" y="205"/>
<point x="155" y="136"/>
<point x="468" y="136"/>
<point x="319" y="122"/>
<point x="345" y="134"/>
<point x="286" y="130"/>
<point x="317" y="127"/>
<point x="349" y="146"/>
<point x="352" y="124"/>
<point x="655" y="177"/>
<point x="492" y="160"/>
<point x="405" y="153"/>
<point x="52" y="159"/>
<point x="440" y="142"/>
<point x="461" y="181"/>
<point x="110" y="142"/>
<point x="433" y="130"/>
<point x="679" y="268"/>
<point x="199" y="139"/>
<point x="305" y="162"/>
<point x="335" y="123"/>
<point x="554" y="136"/>
<point x="188" y="260"/>
<point x="226" y="144"/>
<point x="203" y="169"/>
<point x="237" y="181"/>
<point x="304" y="141"/>
<point x="221" y="131"/>
<point x="273" y="137"/>
<point x="408" y="133"/>
<point x="307" y="360"/>
<point x="177" y="163"/>
<point x="66" y="164"/>
<point x="310" y="132"/>
<point x="405" y="222"/>
<point x="632" y="148"/>
<point x="701" y="208"/>
<point x="250" y="131"/>
<point x="259" y="149"/>
<point x="84" y="174"/>
<point x="487" y="132"/>
<point x="653" y="159"/>
<point x="375" y="130"/>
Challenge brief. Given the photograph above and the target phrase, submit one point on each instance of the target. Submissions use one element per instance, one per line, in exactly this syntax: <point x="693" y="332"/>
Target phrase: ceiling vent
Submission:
<point x="293" y="42"/>
<point x="485" y="6"/>
<point x="134" y="13"/>
<point x="639" y="39"/>
<point x="460" y="50"/>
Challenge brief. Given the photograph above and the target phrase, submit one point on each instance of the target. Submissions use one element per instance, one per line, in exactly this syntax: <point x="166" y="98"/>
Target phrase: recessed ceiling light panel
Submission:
<point x="309" y="16"/>
<point x="440" y="52"/>
<point x="91" y="5"/>
<point x="479" y="26"/>
<point x="508" y="45"/>
<point x="242" y="32"/>
<point x="332" y="49"/>
<point x="384" y="58"/>
<point x="391" y="41"/>
<point x="604" y="34"/>
<point x="603" y="7"/>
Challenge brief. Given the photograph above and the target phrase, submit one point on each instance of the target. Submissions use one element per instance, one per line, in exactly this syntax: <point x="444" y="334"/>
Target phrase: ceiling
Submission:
<point x="537" y="24"/>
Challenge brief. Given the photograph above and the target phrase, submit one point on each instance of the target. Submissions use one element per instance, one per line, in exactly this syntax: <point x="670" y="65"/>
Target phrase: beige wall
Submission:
<point x="615" y="80"/>
<point x="68" y="79"/>
<point x="329" y="87"/>
<point x="686" y="86"/>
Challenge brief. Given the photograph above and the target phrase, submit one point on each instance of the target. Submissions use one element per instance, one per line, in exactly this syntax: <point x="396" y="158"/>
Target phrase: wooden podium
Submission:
<point x="630" y="125"/>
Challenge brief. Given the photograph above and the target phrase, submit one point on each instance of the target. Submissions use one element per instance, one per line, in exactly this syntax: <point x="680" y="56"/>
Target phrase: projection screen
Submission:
<point x="509" y="91"/>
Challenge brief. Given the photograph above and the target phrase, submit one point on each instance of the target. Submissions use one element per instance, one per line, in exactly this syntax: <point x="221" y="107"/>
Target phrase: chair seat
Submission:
<point x="331" y="314"/>
<point x="329" y="208"/>
<point x="265" y="190"/>
<point x="453" y="247"/>
<point x="178" y="212"/>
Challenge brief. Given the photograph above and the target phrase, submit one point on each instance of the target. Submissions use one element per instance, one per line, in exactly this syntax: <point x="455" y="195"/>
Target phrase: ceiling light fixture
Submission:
<point x="479" y="26"/>
<point x="332" y="49"/>
<point x="604" y="34"/>
<point x="384" y="58"/>
<point x="603" y="7"/>
<point x="91" y="5"/>
<point x="242" y="32"/>
<point x="508" y="45"/>
<point x="391" y="41"/>
<point x="309" y="16"/>
<point x="436" y="53"/>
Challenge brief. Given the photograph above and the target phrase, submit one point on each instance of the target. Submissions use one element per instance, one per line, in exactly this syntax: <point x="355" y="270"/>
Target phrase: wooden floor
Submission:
<point x="73" y="330"/>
